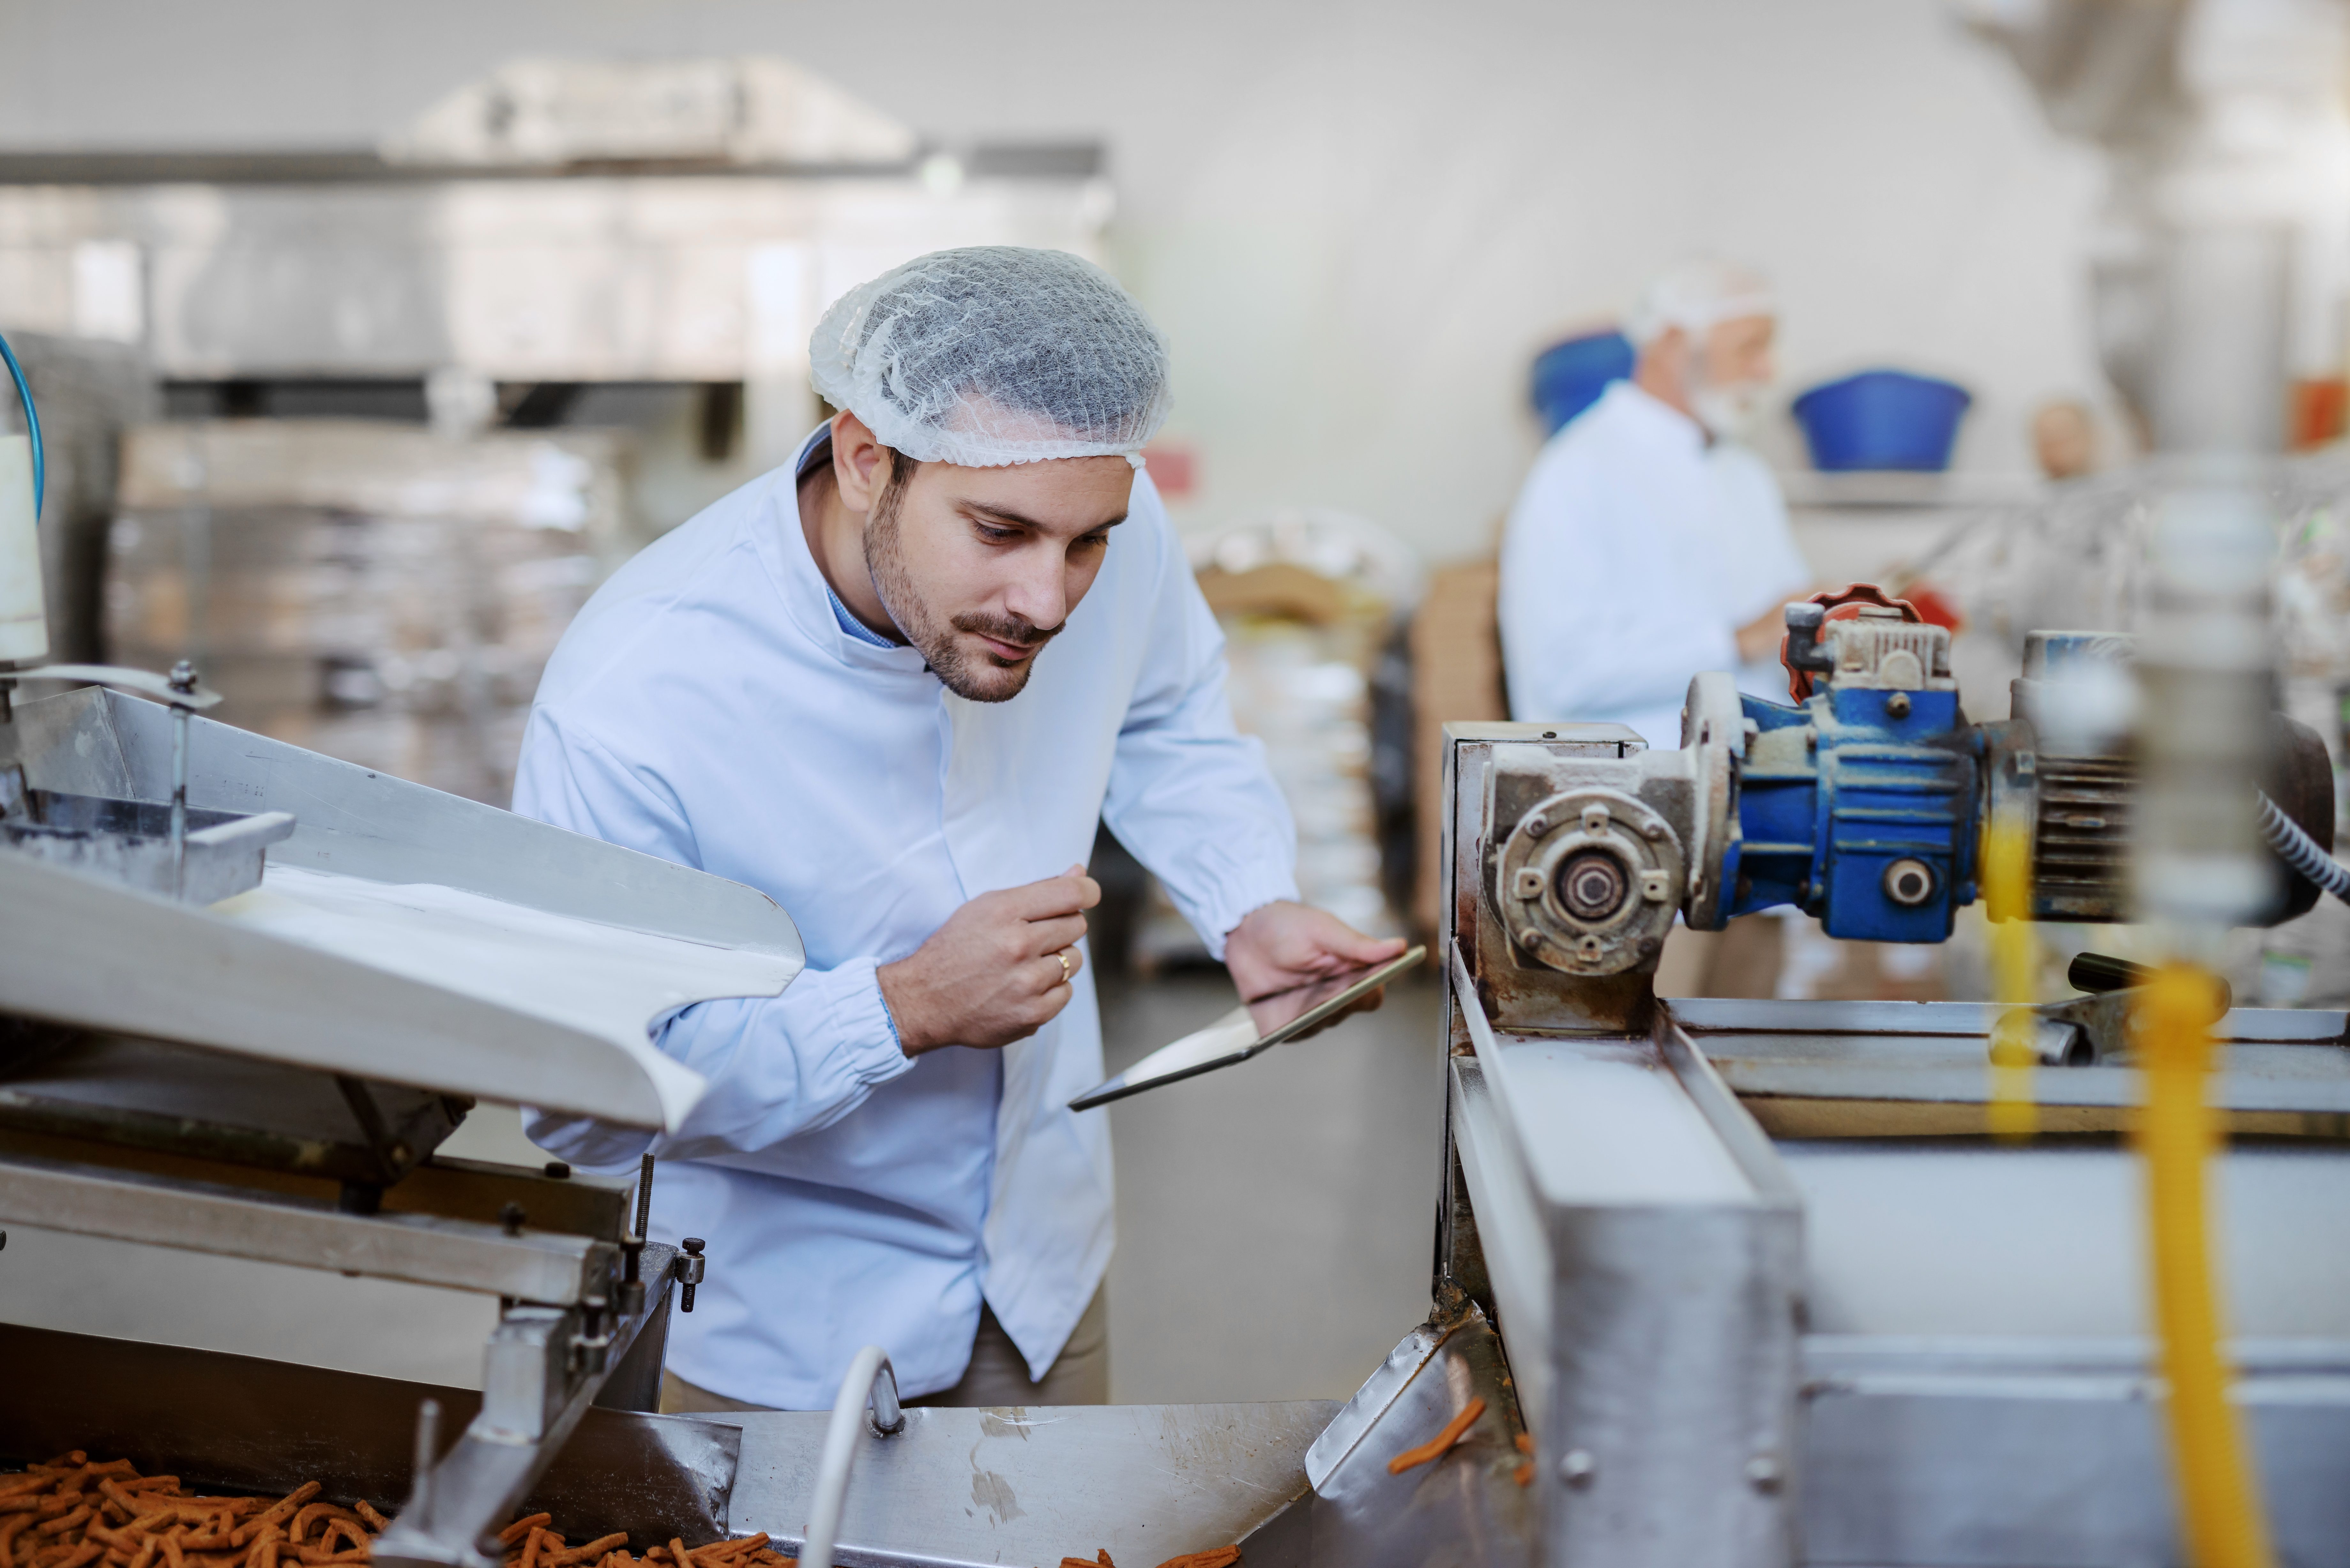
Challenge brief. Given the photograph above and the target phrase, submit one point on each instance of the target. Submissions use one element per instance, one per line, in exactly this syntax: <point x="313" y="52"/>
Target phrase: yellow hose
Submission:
<point x="2218" y="1497"/>
<point x="2010" y="1113"/>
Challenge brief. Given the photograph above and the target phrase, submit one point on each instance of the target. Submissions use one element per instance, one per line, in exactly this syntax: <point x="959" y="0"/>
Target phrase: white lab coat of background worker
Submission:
<point x="1647" y="545"/>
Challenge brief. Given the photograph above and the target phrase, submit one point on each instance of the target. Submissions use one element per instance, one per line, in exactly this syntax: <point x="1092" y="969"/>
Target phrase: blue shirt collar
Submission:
<point x="819" y="449"/>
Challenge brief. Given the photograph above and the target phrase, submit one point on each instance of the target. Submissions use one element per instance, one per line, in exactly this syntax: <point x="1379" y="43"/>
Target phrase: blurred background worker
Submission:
<point x="2065" y="438"/>
<point x="1647" y="545"/>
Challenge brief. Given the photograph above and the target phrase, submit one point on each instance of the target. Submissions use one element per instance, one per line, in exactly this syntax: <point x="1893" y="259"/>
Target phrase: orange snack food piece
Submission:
<point x="72" y="1513"/>
<point x="1436" y="1447"/>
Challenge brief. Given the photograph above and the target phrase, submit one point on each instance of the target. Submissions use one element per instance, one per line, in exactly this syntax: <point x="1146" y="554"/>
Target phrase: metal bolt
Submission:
<point x="1537" y="824"/>
<point x="1652" y="831"/>
<point x="1897" y="705"/>
<point x="511" y="1216"/>
<point x="1576" y="1468"/>
<point x="1532" y="939"/>
<point x="1762" y="1473"/>
<point x="555" y="1170"/>
<point x="690" y="1269"/>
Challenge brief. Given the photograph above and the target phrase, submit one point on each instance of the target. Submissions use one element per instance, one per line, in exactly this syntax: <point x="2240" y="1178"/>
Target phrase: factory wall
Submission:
<point x="1356" y="221"/>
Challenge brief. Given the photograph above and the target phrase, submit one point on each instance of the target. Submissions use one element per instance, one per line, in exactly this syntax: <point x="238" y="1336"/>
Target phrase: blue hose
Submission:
<point x="32" y="424"/>
<point x="2297" y="849"/>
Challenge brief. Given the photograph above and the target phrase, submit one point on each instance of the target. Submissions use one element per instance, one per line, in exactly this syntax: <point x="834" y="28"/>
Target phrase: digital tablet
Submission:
<point x="1257" y="1025"/>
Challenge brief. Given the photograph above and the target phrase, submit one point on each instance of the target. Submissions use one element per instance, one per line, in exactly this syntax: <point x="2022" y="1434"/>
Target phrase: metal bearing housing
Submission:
<point x="1588" y="881"/>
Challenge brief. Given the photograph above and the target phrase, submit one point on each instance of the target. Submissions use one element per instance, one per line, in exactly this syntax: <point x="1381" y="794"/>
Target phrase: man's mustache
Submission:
<point x="1014" y="630"/>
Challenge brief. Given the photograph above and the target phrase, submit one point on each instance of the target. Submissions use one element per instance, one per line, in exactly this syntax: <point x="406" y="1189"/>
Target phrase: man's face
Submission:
<point x="979" y="567"/>
<point x="1737" y="353"/>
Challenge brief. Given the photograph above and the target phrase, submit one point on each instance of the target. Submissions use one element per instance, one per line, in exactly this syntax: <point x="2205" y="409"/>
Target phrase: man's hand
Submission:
<point x="1282" y="945"/>
<point x="995" y="972"/>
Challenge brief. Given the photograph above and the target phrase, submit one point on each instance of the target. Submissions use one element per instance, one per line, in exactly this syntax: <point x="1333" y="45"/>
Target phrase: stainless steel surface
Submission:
<point x="870" y="1381"/>
<point x="1637" y="1207"/>
<point x="1918" y="1237"/>
<point x="1957" y="1453"/>
<point x="1705" y="1017"/>
<point x="244" y="1424"/>
<point x="333" y="269"/>
<point x="1470" y="1503"/>
<point x="1359" y="1413"/>
<point x="1030" y="1484"/>
<point x="535" y="1266"/>
<point x="82" y="951"/>
<point x="146" y="682"/>
<point x="143" y="845"/>
<point x="1643" y="1241"/>
<point x="1809" y="1068"/>
<point x="208" y="1106"/>
<point x="545" y="1371"/>
<point x="360" y="823"/>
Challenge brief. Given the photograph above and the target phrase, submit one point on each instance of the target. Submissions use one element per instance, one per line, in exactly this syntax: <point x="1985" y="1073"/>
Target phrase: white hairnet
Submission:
<point x="1695" y="295"/>
<point x="994" y="355"/>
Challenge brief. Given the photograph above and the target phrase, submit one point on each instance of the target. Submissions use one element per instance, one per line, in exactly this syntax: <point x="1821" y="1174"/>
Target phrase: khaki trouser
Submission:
<point x="997" y="1375"/>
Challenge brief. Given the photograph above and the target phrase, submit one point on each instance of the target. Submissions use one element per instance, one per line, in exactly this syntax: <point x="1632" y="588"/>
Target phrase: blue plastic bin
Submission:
<point x="1882" y="419"/>
<point x="1569" y="377"/>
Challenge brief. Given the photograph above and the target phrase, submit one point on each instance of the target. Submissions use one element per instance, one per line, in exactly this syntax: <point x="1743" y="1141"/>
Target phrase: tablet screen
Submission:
<point x="1263" y="1022"/>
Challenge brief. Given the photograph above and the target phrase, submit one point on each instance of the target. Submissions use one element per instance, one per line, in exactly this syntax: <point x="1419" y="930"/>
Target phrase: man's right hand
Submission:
<point x="992" y="975"/>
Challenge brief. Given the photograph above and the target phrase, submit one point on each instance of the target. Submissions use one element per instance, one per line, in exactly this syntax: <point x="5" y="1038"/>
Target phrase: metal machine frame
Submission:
<point x="1614" y="1201"/>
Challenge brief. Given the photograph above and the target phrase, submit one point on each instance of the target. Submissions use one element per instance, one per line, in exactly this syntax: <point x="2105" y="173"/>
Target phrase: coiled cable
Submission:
<point x="2297" y="849"/>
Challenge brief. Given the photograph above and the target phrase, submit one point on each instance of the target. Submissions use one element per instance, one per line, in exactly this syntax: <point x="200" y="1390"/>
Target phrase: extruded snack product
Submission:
<point x="1436" y="1447"/>
<point x="73" y="1512"/>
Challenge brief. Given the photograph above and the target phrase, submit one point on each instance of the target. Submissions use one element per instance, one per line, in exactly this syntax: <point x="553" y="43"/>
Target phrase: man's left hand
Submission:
<point x="1277" y="946"/>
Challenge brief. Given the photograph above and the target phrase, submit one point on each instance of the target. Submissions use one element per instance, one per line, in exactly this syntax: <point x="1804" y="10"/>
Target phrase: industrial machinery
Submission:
<point x="202" y="1052"/>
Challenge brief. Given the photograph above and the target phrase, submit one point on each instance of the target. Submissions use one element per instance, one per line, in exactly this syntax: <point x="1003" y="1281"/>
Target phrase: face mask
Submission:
<point x="1726" y="411"/>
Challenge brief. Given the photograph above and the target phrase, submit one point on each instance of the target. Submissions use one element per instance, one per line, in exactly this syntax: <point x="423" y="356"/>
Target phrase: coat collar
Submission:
<point x="807" y="598"/>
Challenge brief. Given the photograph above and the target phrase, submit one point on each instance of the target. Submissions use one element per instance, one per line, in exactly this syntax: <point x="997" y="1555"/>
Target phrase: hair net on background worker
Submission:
<point x="1695" y="295"/>
<point x="994" y="355"/>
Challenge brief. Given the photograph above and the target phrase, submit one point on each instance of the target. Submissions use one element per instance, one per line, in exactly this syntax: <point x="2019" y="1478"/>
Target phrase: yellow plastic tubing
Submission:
<point x="2217" y="1497"/>
<point x="2010" y="1113"/>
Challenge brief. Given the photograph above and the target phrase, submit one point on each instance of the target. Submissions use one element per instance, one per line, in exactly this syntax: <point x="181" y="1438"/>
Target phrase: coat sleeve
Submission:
<point x="1189" y="794"/>
<point x="776" y="1065"/>
<point x="1596" y="621"/>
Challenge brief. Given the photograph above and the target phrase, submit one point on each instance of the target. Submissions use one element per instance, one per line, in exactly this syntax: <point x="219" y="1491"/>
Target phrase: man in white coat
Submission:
<point x="895" y="686"/>
<point x="1647" y="545"/>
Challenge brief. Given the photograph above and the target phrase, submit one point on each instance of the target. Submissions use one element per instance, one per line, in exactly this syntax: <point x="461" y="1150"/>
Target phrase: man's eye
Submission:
<point x="1092" y="541"/>
<point x="996" y="536"/>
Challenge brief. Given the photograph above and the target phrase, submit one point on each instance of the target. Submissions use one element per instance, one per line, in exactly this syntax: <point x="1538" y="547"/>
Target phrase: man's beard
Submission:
<point x="974" y="674"/>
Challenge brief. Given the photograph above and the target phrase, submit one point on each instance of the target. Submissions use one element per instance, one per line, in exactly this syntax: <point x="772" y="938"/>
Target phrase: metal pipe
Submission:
<point x="870" y="1379"/>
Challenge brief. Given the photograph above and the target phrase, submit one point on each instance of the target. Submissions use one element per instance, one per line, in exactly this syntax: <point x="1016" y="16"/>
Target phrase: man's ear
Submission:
<point x="860" y="463"/>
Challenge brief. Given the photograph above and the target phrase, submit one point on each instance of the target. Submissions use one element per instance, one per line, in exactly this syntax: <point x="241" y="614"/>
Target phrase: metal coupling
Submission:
<point x="690" y="1269"/>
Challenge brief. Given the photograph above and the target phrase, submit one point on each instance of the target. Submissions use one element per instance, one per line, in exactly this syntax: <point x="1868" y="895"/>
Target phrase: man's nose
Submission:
<point x="1039" y="593"/>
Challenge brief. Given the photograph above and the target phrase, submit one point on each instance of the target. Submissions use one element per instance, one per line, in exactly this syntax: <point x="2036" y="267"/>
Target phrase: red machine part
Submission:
<point x="1843" y="604"/>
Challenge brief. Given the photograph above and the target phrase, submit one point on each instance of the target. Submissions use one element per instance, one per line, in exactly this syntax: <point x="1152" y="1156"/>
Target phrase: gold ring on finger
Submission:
<point x="1068" y="965"/>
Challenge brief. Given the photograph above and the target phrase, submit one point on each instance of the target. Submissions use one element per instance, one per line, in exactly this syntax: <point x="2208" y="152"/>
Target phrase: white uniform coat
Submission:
<point x="1633" y="554"/>
<point x="708" y="707"/>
